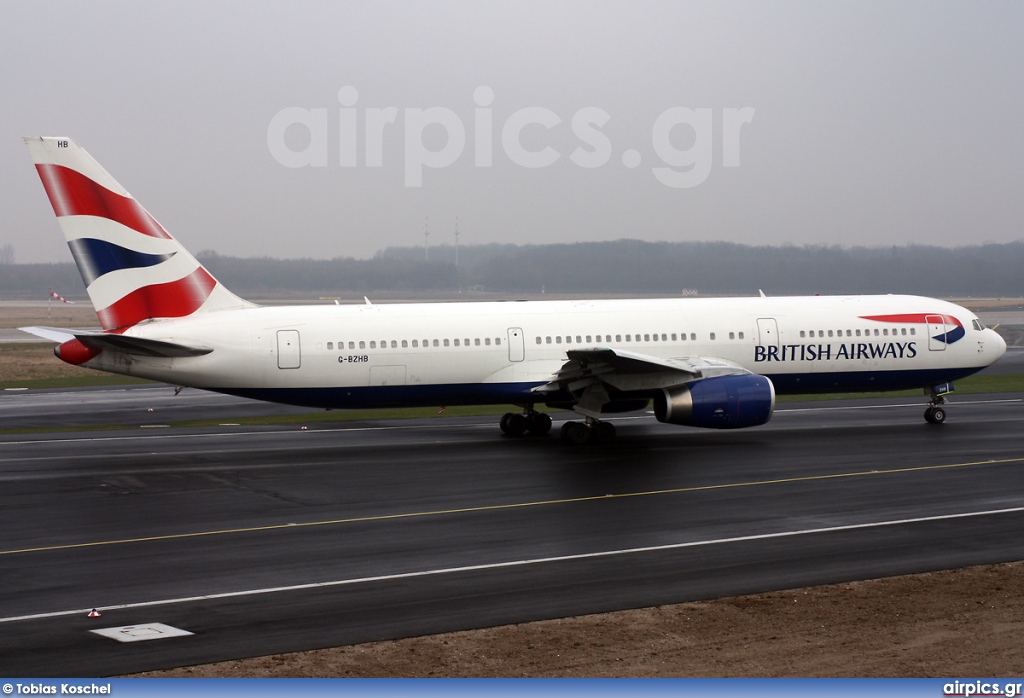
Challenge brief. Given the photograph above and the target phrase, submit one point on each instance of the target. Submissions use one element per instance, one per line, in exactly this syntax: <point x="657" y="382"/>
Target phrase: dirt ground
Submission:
<point x="965" y="622"/>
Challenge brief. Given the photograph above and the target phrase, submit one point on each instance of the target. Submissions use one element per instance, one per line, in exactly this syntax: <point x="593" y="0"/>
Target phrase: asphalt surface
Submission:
<point x="261" y="540"/>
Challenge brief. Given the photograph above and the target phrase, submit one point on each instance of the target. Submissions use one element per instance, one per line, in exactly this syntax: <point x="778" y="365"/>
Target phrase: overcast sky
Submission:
<point x="851" y="123"/>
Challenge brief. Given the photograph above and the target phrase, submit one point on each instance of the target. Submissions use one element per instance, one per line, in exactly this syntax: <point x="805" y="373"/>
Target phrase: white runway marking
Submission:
<point x="517" y="563"/>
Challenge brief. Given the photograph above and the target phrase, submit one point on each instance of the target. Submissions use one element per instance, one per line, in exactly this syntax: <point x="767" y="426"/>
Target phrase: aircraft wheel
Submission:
<point x="605" y="432"/>
<point x="515" y="425"/>
<point x="503" y="424"/>
<point x="538" y="423"/>
<point x="935" y="415"/>
<point x="576" y="433"/>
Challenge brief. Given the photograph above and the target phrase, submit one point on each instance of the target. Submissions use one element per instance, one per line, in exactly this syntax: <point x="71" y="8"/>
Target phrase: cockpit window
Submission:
<point x="977" y="324"/>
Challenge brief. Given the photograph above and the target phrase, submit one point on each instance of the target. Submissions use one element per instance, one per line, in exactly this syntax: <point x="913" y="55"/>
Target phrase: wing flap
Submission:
<point x="628" y="371"/>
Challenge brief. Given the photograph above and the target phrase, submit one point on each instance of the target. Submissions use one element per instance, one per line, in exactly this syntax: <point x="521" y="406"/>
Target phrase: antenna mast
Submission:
<point x="426" y="238"/>
<point x="456" y="242"/>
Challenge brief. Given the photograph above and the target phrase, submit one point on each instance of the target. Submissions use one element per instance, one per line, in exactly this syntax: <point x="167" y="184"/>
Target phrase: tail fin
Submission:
<point x="132" y="268"/>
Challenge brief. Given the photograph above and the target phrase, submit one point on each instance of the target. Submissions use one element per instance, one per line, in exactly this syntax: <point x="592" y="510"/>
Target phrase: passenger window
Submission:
<point x="693" y="336"/>
<point x="456" y="342"/>
<point x="405" y="343"/>
<point x="330" y="345"/>
<point x="712" y="336"/>
<point x="629" y="337"/>
<point x="487" y="341"/>
<point x="802" y="334"/>
<point x="913" y="330"/>
<point x="394" y="343"/>
<point x="415" y="343"/>
<point x="673" y="336"/>
<point x="732" y="335"/>
<point x="903" y="331"/>
<point x="538" y="340"/>
<point x="547" y="340"/>
<point x="741" y="335"/>
<point x="858" y="333"/>
<point x="373" y="345"/>
<point x="436" y="343"/>
<point x="568" y="340"/>
<point x="362" y="345"/>
<point x="497" y="341"/>
<point x="466" y="342"/>
<point x="647" y="337"/>
<point x="830" y="333"/>
<point x="579" y="340"/>
<point x="447" y="343"/>
<point x="618" y="338"/>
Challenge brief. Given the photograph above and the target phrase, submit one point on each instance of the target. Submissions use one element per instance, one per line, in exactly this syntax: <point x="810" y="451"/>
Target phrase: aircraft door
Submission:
<point x="767" y="332"/>
<point x="936" y="332"/>
<point x="516" y="346"/>
<point x="289" y="354"/>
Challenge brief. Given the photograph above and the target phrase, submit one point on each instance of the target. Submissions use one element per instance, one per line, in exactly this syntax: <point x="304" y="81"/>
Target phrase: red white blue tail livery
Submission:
<point x="133" y="269"/>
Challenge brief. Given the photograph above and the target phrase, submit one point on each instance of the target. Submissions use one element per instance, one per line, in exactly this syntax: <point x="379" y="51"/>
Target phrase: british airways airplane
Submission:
<point x="716" y="363"/>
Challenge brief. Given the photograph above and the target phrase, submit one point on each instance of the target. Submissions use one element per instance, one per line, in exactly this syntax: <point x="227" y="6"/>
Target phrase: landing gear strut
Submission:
<point x="517" y="424"/>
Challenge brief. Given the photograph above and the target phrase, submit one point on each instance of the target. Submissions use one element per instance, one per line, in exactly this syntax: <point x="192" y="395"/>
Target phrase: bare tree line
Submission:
<point x="622" y="266"/>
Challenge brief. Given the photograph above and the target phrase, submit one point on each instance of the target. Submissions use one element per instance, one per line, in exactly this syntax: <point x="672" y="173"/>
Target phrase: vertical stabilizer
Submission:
<point x="132" y="268"/>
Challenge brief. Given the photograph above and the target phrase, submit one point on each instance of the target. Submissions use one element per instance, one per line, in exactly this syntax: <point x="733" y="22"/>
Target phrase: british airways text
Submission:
<point x="832" y="352"/>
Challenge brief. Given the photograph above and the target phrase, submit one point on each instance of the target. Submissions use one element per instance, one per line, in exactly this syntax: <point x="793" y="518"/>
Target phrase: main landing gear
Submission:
<point x="536" y="423"/>
<point x="579" y="433"/>
<point x="539" y="424"/>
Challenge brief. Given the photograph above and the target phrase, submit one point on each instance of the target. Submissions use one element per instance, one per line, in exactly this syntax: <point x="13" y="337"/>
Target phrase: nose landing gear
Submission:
<point x="936" y="412"/>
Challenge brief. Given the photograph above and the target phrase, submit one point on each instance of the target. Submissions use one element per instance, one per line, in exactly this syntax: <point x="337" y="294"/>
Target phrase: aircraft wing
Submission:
<point x="99" y="341"/>
<point x="589" y="372"/>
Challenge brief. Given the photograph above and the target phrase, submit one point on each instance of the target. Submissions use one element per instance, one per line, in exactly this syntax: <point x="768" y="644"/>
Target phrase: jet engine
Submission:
<point x="724" y="402"/>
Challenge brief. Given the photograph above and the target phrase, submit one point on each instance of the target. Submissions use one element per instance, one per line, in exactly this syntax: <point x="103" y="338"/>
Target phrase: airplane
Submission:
<point x="704" y="362"/>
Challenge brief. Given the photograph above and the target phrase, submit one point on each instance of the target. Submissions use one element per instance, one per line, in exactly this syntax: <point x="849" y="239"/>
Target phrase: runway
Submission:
<point x="260" y="540"/>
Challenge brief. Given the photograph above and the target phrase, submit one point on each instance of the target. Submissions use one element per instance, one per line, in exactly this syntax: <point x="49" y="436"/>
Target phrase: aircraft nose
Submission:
<point x="999" y="343"/>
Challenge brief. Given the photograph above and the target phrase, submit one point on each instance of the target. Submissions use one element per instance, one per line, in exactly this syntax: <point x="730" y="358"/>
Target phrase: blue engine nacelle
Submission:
<point x="725" y="402"/>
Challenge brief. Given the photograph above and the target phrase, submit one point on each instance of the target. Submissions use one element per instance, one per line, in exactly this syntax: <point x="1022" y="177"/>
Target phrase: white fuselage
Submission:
<point x="497" y="352"/>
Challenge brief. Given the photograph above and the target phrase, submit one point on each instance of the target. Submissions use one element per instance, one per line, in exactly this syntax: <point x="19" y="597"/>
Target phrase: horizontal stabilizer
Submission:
<point x="118" y="342"/>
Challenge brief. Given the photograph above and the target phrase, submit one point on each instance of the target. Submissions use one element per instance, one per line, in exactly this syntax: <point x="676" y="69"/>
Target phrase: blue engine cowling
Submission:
<point x="725" y="402"/>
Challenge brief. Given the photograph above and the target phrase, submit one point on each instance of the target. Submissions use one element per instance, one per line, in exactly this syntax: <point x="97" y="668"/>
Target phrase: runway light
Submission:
<point x="303" y="429"/>
<point x="94" y="613"/>
<point x="150" y="409"/>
